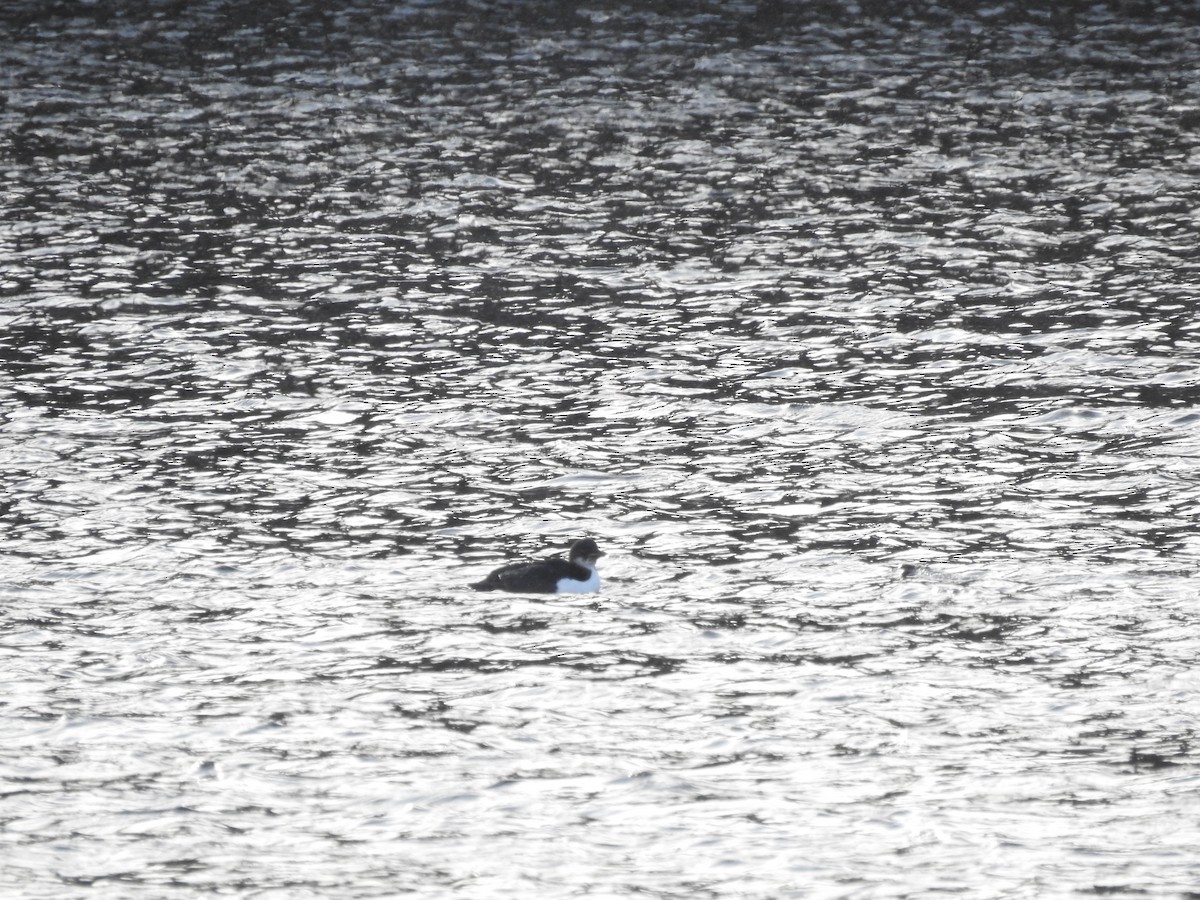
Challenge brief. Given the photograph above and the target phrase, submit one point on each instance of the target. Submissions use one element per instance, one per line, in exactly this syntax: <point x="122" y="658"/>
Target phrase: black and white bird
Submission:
<point x="554" y="575"/>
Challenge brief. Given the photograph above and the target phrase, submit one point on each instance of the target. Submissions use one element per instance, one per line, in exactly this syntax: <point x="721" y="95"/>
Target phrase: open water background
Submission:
<point x="863" y="337"/>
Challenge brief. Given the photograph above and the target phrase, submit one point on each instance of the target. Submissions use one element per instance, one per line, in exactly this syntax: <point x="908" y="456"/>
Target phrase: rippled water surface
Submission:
<point x="862" y="337"/>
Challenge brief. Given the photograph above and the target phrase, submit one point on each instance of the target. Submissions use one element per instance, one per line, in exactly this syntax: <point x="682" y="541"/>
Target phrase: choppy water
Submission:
<point x="863" y="340"/>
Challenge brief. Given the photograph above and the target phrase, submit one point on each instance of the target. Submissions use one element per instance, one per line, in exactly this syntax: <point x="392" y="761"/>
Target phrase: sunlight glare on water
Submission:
<point x="863" y="344"/>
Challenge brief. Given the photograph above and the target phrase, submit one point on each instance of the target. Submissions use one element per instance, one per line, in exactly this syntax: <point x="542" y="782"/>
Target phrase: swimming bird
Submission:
<point x="554" y="575"/>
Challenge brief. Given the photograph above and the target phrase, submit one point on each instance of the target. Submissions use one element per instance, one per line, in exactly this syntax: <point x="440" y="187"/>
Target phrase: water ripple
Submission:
<point x="864" y="345"/>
